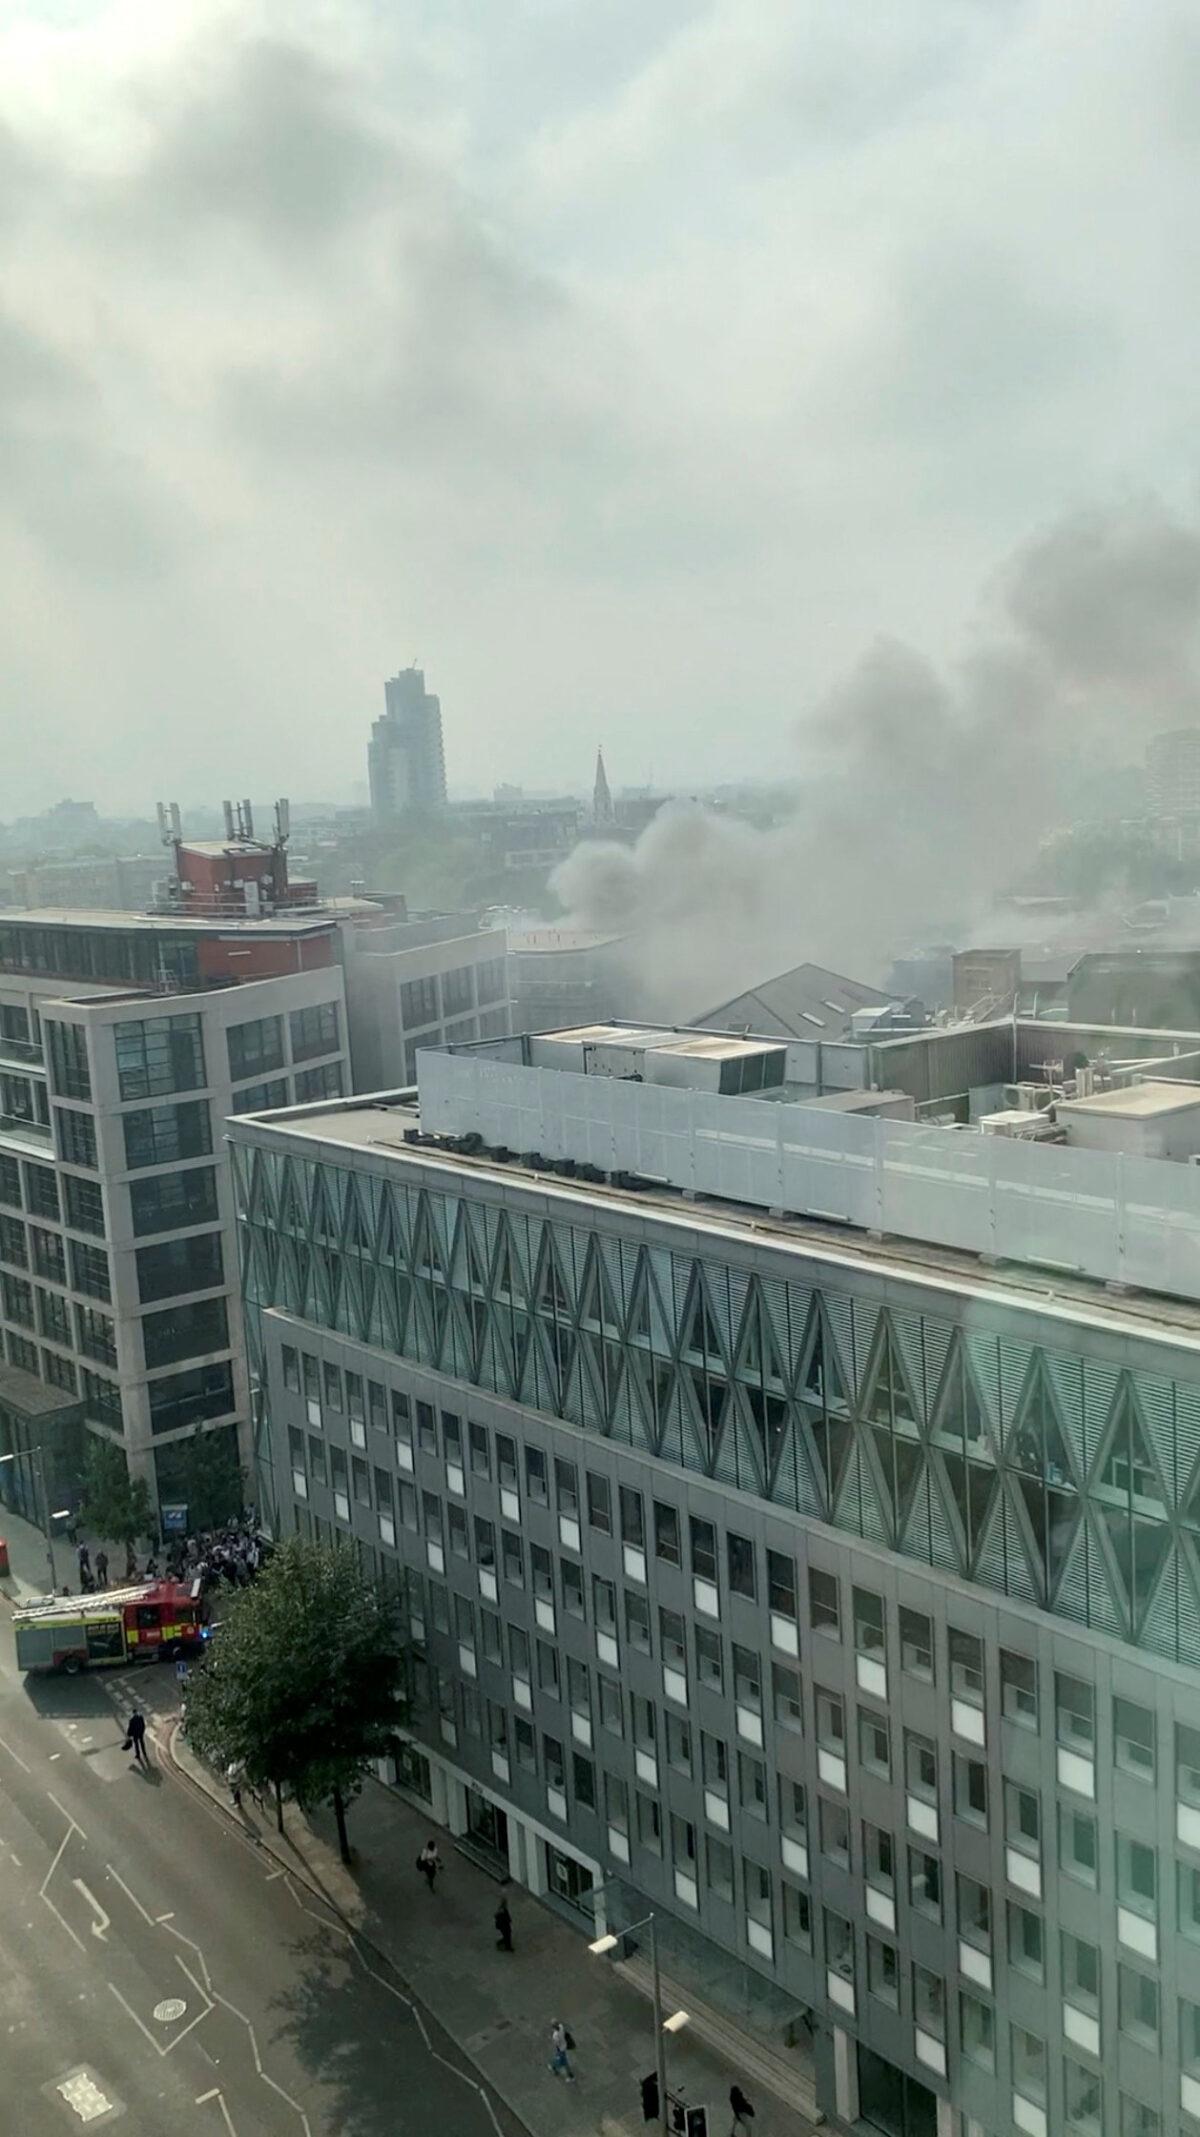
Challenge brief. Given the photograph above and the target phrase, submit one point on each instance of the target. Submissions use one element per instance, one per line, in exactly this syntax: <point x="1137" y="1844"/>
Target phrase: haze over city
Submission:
<point x="635" y="370"/>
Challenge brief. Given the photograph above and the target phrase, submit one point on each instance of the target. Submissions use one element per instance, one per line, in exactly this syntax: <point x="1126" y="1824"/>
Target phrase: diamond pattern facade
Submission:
<point x="1048" y="1475"/>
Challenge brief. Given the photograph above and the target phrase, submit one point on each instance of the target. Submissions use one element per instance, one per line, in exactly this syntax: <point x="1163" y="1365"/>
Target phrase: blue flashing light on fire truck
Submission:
<point x="148" y="1621"/>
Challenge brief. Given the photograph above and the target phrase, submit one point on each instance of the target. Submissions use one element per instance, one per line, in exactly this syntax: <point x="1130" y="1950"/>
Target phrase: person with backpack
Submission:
<point x="561" y="2042"/>
<point x="135" y="1737"/>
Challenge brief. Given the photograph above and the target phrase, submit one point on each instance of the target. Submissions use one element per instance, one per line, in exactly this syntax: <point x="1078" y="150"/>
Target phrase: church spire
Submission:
<point x="602" y="808"/>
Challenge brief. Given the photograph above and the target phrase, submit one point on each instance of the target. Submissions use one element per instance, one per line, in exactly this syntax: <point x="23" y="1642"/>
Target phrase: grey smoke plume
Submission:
<point x="923" y="793"/>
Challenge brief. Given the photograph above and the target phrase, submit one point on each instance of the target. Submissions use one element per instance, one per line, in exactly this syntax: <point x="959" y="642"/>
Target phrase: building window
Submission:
<point x="96" y="1335"/>
<point x="974" y="1912"/>
<point x="165" y="1135"/>
<point x="977" y="2023"/>
<point x="1029" y="2065"/>
<point x="966" y="1667"/>
<point x="54" y="1318"/>
<point x="929" y="2002"/>
<point x="418" y="1003"/>
<point x="824" y="1608"/>
<point x="925" y="1883"/>
<point x="1133" y="1739"/>
<point x="85" y="1205"/>
<point x="175" y="1265"/>
<point x="17" y="1298"/>
<point x="787" y="1698"/>
<point x="76" y="1137"/>
<point x="1081" y="1974"/>
<point x="752" y="1785"/>
<point x="710" y="1659"/>
<point x="637" y="1621"/>
<point x="10" y="1181"/>
<point x="184" y="1398"/>
<point x="797" y="1916"/>
<point x="260" y="1097"/>
<point x="883" y="1972"/>
<point x="666" y="1534"/>
<point x="70" y="1076"/>
<point x="184" y="1331"/>
<point x="14" y="1246"/>
<point x="874" y="1747"/>
<point x="835" y="1832"/>
<point x="970" y="1790"/>
<point x="170" y="1202"/>
<point x="740" y="1560"/>
<point x="1019" y="1689"/>
<point x="781" y="1587"/>
<point x="920" y="1766"/>
<point x="1137" y="2005"/>
<point x="1075" y="1714"/>
<point x="719" y="1861"/>
<point x="255" y="1049"/>
<point x="41" y="1192"/>
<point x="101" y="1400"/>
<point x="1138" y="2120"/>
<point x="1026" y="1942"/>
<point x="313" y="1084"/>
<point x="599" y="1503"/>
<point x="1022" y="1818"/>
<point x="159" y="1054"/>
<point x="49" y="1255"/>
<point x="916" y="1644"/>
<point x="1078" y="1852"/>
<point x="316" y="1030"/>
<point x="1084" y="2100"/>
<point x="60" y="1372"/>
<point x="1137" y="1876"/>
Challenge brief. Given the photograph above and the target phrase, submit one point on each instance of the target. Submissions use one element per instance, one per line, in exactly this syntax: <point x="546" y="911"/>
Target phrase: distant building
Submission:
<point x="602" y="807"/>
<point x="431" y="980"/>
<point x="110" y="882"/>
<point x="565" y="975"/>
<point x="1173" y="772"/>
<point x="406" y="763"/>
<point x="808" y="1002"/>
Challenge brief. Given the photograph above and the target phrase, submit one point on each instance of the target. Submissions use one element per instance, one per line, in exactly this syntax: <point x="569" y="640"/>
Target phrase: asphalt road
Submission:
<point x="157" y="1971"/>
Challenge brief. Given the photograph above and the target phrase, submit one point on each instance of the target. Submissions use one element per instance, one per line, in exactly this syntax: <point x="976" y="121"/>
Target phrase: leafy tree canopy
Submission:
<point x="304" y="1684"/>
<point x="114" y="1504"/>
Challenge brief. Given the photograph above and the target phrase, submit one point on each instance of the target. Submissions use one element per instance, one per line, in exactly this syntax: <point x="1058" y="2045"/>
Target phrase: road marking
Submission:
<point x="202" y="2098"/>
<point x="130" y="1896"/>
<point x="171" y="2008"/>
<point x="84" y="2096"/>
<point x="15" y="1858"/>
<point x="14" y="1755"/>
<point x="161" y="1918"/>
<point x="103" y="1922"/>
<point x="43" y="1893"/>
<point x="131" y="2013"/>
<point x="63" y="1812"/>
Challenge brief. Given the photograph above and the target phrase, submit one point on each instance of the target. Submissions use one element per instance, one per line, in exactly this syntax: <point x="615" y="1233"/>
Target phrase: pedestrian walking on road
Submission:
<point x="136" y="1733"/>
<point x="429" y="1862"/>
<point x="503" y="1921"/>
<point x="743" y="2113"/>
<point x="85" y="1561"/>
<point x="561" y="2041"/>
<point x="102" y="1569"/>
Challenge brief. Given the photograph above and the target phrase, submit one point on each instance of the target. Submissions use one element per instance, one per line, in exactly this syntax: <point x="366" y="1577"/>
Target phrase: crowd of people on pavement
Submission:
<point x="232" y="1554"/>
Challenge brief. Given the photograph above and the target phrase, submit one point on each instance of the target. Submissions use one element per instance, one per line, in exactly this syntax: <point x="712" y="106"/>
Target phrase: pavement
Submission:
<point x="338" y="1963"/>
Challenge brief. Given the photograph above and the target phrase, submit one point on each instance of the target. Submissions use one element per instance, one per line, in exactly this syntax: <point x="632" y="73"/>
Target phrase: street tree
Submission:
<point x="115" y="1505"/>
<point x="304" y="1683"/>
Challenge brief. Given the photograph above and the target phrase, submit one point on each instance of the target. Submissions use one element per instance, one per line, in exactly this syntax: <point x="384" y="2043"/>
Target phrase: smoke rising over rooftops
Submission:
<point x="923" y="791"/>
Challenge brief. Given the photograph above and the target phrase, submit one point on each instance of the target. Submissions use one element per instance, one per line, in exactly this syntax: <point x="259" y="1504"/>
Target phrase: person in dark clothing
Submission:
<point x="503" y="1921"/>
<point x="102" y="1569"/>
<point x="743" y="2113"/>
<point x="429" y="1862"/>
<point x="85" y="1560"/>
<point x="136" y="1731"/>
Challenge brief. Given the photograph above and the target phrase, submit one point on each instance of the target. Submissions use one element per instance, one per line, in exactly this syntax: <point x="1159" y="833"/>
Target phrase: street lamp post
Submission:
<point x="674" y="2024"/>
<point x="39" y="1456"/>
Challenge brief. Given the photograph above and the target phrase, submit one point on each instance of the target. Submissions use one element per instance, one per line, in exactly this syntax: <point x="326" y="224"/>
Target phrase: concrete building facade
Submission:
<point x="836" y="1598"/>
<point x="420" y="983"/>
<point x="118" y="1243"/>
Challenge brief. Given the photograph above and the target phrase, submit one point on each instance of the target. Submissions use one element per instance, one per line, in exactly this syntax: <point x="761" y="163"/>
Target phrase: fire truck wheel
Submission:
<point x="71" y="1666"/>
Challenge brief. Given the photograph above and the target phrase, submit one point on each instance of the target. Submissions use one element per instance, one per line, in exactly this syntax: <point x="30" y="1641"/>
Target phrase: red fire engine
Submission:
<point x="153" y="1620"/>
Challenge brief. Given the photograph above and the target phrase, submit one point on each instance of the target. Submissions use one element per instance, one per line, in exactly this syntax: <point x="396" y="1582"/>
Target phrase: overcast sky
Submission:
<point x="631" y="366"/>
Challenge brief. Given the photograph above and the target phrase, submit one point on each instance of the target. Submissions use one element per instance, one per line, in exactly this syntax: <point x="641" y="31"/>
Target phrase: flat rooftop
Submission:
<point x="1141" y="1101"/>
<point x="304" y="921"/>
<point x="377" y="1125"/>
